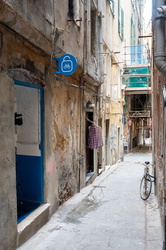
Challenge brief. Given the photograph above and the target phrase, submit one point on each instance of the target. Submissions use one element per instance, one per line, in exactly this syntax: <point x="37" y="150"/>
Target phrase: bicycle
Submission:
<point x="146" y="182"/>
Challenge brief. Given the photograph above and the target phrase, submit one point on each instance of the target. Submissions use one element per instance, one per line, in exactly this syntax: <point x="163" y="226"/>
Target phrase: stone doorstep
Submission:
<point x="32" y="223"/>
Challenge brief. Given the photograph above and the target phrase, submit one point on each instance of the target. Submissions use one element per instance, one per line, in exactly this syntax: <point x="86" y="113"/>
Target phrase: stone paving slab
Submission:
<point x="108" y="214"/>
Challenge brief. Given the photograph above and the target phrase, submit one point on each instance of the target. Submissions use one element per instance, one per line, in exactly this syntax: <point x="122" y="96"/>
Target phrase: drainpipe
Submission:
<point x="100" y="16"/>
<point x="159" y="58"/>
<point x="160" y="54"/>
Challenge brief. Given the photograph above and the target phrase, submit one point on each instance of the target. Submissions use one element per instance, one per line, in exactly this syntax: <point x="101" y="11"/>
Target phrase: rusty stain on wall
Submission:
<point x="60" y="141"/>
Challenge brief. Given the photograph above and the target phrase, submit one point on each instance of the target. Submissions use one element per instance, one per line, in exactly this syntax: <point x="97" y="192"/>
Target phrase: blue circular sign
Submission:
<point x="67" y="64"/>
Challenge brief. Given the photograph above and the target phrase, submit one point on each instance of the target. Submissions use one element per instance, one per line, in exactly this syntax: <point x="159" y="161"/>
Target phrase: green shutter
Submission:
<point x="113" y="2"/>
<point x="120" y="21"/>
<point x="112" y="5"/>
<point x="122" y="24"/>
<point x="119" y="14"/>
<point x="132" y="31"/>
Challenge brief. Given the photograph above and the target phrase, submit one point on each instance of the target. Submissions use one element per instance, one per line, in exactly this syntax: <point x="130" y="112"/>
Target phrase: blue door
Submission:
<point x="29" y="147"/>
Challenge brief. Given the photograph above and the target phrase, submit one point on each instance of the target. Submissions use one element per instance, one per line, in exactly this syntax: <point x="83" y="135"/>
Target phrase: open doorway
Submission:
<point x="99" y="153"/>
<point x="29" y="148"/>
<point x="119" y="152"/>
<point x="89" y="152"/>
<point x="107" y="124"/>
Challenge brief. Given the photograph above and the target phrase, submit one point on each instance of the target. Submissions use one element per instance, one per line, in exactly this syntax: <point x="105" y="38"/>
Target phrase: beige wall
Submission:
<point x="31" y="38"/>
<point x="29" y="43"/>
<point x="112" y="51"/>
<point x="8" y="227"/>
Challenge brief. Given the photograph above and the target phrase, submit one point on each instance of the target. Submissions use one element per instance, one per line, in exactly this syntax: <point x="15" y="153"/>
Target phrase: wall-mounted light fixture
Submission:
<point x="18" y="119"/>
<point x="59" y="31"/>
<point x="90" y="105"/>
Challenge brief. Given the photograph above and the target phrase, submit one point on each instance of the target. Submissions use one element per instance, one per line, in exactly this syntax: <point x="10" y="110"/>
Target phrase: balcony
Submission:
<point x="137" y="55"/>
<point x="140" y="114"/>
<point x="136" y="72"/>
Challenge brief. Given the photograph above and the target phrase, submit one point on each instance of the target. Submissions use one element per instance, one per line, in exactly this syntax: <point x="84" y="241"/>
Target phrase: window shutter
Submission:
<point x="122" y="24"/>
<point x="119" y="14"/>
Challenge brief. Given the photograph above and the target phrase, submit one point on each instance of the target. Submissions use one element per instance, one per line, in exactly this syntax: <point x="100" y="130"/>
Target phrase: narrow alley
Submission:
<point x="108" y="214"/>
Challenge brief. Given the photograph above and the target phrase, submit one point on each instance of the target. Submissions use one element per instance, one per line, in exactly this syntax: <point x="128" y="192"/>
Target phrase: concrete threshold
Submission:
<point x="89" y="176"/>
<point x="32" y="223"/>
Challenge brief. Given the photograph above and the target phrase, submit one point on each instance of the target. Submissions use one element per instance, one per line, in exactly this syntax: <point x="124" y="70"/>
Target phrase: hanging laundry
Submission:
<point x="95" y="139"/>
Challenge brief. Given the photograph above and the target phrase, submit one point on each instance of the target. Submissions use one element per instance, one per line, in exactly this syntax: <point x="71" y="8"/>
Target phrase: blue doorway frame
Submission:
<point x="30" y="168"/>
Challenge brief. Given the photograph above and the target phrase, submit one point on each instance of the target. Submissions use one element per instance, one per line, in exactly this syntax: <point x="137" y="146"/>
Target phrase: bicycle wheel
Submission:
<point x="145" y="187"/>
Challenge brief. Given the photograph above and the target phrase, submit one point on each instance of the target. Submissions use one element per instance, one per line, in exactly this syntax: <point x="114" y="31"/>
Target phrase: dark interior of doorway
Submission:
<point x="24" y="208"/>
<point x="28" y="185"/>
<point x="89" y="152"/>
<point x="99" y="152"/>
<point x="107" y="124"/>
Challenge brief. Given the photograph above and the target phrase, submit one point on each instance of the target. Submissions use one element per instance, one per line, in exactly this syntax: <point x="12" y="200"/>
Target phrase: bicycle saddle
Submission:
<point x="147" y="162"/>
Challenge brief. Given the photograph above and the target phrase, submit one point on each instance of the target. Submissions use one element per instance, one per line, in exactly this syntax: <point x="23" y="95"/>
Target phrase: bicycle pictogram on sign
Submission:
<point x="67" y="64"/>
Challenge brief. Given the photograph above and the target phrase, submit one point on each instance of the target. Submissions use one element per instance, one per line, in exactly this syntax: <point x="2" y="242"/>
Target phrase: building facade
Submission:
<point x="159" y="133"/>
<point x="47" y="117"/>
<point x="137" y="79"/>
<point x="111" y="102"/>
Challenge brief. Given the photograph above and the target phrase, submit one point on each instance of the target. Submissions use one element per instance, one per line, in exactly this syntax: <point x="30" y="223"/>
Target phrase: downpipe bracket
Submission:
<point x="160" y="61"/>
<point x="162" y="10"/>
<point x="161" y="18"/>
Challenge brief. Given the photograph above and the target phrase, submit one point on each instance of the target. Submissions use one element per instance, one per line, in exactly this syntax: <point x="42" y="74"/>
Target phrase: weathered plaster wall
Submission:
<point x="159" y="133"/>
<point x="116" y="135"/>
<point x="72" y="37"/>
<point x="19" y="61"/>
<point x="112" y="82"/>
<point x="26" y="48"/>
<point x="18" y="54"/>
<point x="65" y="108"/>
<point x="62" y="116"/>
<point x="39" y="14"/>
<point x="62" y="141"/>
<point x="92" y="33"/>
<point x="158" y="146"/>
<point x="23" y="25"/>
<point x="8" y="226"/>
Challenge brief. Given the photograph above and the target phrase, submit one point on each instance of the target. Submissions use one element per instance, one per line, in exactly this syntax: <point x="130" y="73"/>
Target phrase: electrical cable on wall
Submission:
<point x="76" y="86"/>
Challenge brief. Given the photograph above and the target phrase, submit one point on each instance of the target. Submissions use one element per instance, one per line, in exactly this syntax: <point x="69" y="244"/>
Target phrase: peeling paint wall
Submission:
<point x="8" y="229"/>
<point x="159" y="136"/>
<point x="64" y="143"/>
<point x="19" y="55"/>
<point x="30" y="40"/>
<point x="19" y="61"/>
<point x="111" y="89"/>
<point x="158" y="145"/>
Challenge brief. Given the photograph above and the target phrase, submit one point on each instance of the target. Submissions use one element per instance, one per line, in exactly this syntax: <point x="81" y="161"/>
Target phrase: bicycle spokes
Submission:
<point x="145" y="187"/>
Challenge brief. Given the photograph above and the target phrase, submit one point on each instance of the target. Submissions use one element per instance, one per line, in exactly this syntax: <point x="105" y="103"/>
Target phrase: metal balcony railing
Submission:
<point x="136" y="55"/>
<point x="137" y="114"/>
<point x="136" y="66"/>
